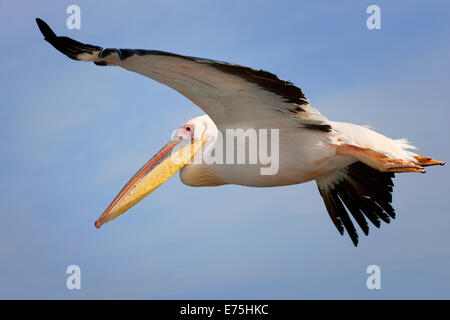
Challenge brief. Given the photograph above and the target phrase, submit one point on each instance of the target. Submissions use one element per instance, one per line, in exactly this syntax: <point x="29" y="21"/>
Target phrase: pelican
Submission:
<point x="352" y="165"/>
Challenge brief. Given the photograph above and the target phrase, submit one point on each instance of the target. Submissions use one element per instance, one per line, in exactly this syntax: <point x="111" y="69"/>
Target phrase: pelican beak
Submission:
<point x="171" y="158"/>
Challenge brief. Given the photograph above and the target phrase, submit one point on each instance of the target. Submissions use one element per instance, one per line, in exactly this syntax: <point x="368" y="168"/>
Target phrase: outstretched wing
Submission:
<point x="233" y="96"/>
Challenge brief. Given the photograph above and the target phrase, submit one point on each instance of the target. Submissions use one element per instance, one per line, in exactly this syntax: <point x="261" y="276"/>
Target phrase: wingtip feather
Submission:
<point x="46" y="31"/>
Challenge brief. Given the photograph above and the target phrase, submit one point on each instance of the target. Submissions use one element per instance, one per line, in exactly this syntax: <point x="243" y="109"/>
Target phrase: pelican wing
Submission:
<point x="360" y="191"/>
<point x="233" y="96"/>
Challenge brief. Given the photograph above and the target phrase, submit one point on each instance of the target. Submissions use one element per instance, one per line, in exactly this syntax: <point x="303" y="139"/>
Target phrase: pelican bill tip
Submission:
<point x="98" y="224"/>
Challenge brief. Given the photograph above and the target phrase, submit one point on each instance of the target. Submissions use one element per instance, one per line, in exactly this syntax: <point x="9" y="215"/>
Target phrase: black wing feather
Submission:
<point x="364" y="193"/>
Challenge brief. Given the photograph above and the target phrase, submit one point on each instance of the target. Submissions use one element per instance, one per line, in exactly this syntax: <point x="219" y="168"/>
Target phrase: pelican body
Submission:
<point x="352" y="165"/>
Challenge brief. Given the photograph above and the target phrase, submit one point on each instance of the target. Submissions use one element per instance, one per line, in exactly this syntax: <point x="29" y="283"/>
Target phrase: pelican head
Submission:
<point x="188" y="140"/>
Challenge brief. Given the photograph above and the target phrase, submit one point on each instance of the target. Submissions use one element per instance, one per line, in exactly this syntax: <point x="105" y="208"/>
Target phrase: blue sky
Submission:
<point x="66" y="152"/>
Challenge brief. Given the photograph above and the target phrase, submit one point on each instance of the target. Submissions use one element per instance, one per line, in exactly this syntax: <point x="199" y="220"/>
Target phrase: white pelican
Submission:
<point x="353" y="165"/>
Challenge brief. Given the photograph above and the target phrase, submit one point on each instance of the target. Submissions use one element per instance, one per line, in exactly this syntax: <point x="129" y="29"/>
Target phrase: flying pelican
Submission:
<point x="353" y="165"/>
